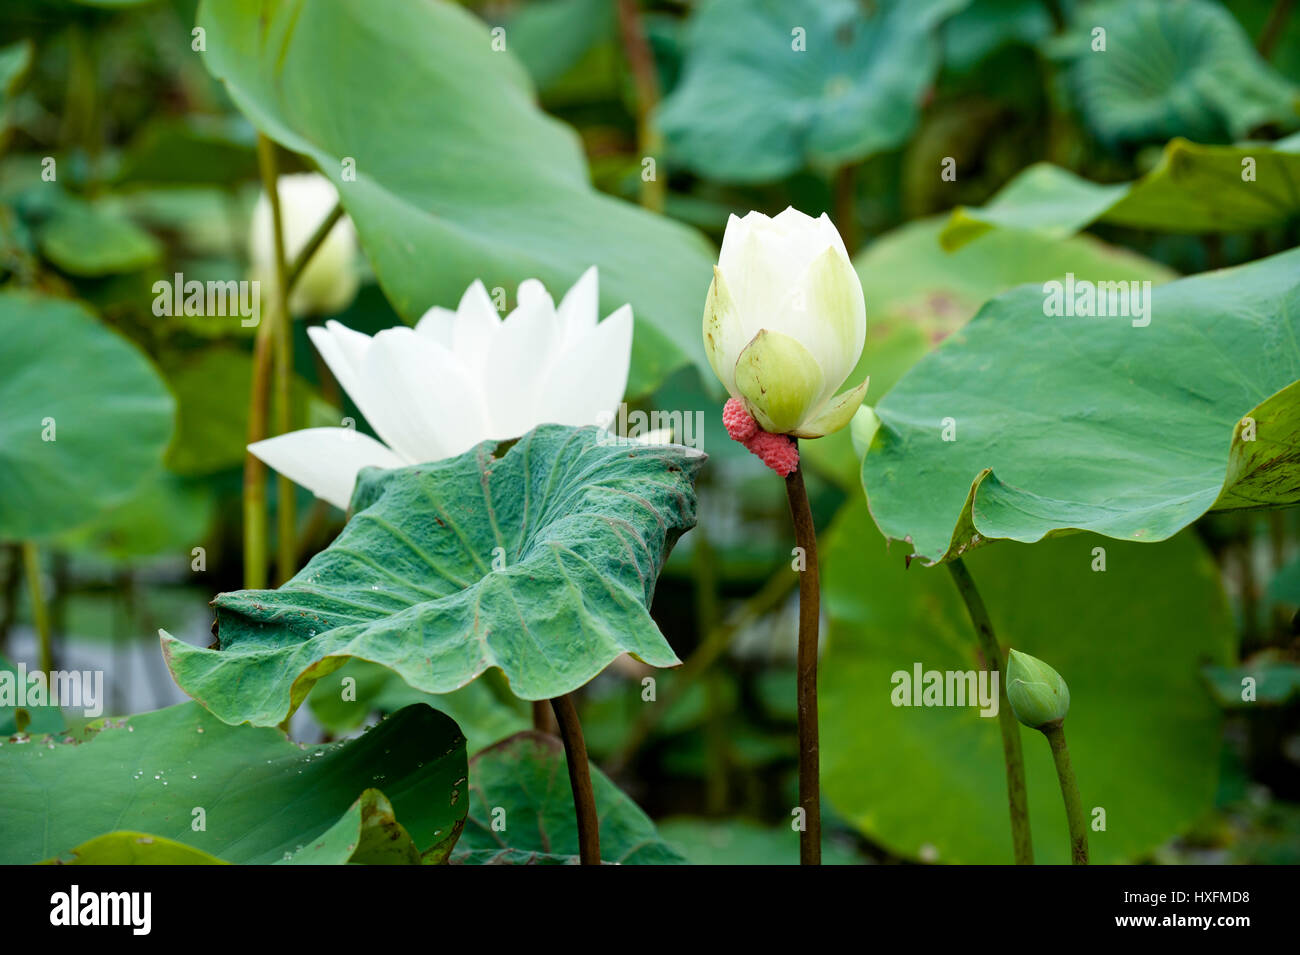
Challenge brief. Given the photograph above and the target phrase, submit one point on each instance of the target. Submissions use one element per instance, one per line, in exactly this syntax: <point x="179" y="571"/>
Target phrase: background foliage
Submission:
<point x="503" y="164"/>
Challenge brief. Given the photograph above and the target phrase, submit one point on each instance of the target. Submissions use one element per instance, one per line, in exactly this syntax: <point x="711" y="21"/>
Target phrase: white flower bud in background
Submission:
<point x="329" y="282"/>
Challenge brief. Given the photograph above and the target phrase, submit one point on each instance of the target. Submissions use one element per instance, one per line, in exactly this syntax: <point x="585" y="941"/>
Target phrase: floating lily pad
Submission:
<point x="928" y="781"/>
<point x="521" y="811"/>
<point x="85" y="420"/>
<point x="772" y="86"/>
<point x="438" y="175"/>
<point x="541" y="562"/>
<point x="1024" y="425"/>
<point x="263" y="798"/>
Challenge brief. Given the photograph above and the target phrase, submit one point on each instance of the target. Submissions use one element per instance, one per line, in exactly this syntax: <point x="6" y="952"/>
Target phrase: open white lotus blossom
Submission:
<point x="458" y="378"/>
<point x="785" y="322"/>
<point x="329" y="282"/>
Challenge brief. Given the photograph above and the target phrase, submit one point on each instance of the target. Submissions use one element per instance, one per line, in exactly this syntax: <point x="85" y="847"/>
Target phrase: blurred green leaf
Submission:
<point x="1172" y="69"/>
<point x="740" y="842"/>
<point x="85" y="421"/>
<point x="541" y="562"/>
<point x="550" y="36"/>
<point x="1092" y="423"/>
<point x="1275" y="681"/>
<point x="773" y="86"/>
<point x="166" y="515"/>
<point x="263" y="797"/>
<point x="92" y="239"/>
<point x="1143" y="731"/>
<point x="1192" y="189"/>
<point x="191" y="150"/>
<point x="522" y="784"/>
<point x="459" y="167"/>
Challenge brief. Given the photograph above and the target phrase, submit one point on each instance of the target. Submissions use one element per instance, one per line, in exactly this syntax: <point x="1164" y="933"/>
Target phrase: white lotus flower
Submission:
<point x="329" y="282"/>
<point x="458" y="378"/>
<point x="785" y="322"/>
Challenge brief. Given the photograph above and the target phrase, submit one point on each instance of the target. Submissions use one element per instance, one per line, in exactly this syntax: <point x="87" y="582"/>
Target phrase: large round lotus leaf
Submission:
<point x="772" y="86"/>
<point x="1023" y="425"/>
<point x="264" y="798"/>
<point x="1172" y="69"/>
<point x="85" y="417"/>
<point x="918" y="293"/>
<point x="928" y="782"/>
<point x="541" y="562"/>
<point x="459" y="167"/>
<point x="521" y="811"/>
<point x="1191" y="189"/>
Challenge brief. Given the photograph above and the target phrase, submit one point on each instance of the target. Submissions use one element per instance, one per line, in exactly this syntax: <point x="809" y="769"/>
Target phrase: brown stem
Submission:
<point x="1272" y="31"/>
<point x="846" y="216"/>
<point x="544" y="718"/>
<point x="645" y="80"/>
<point x="805" y="535"/>
<point x="1012" y="755"/>
<point x="584" y="799"/>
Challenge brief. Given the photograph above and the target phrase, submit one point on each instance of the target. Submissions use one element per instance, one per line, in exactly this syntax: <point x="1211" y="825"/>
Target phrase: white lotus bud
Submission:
<point x="785" y="322"/>
<point x="329" y="282"/>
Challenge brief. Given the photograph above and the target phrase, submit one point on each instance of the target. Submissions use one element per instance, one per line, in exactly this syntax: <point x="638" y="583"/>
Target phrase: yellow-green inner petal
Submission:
<point x="779" y="379"/>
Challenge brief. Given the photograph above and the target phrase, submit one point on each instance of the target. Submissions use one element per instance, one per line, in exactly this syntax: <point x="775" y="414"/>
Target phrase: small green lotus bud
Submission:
<point x="1037" y="693"/>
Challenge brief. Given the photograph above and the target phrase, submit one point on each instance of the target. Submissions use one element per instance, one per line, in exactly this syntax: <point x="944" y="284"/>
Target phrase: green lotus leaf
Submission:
<point x="438" y="174"/>
<point x="133" y="848"/>
<point x="1172" y="69"/>
<point x="1023" y="425"/>
<point x="928" y="782"/>
<point x="85" y="420"/>
<point x="521" y="811"/>
<point x="772" y="86"/>
<point x="1191" y="189"/>
<point x="541" y="563"/>
<point x="917" y="294"/>
<point x="486" y="711"/>
<point x="263" y="798"/>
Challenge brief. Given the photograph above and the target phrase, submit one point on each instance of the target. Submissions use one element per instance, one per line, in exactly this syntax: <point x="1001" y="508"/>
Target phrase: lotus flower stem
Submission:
<point x="544" y="718"/>
<point x="805" y="535"/>
<point x="846" y="217"/>
<point x="584" y="799"/>
<point x="645" y="80"/>
<point x="1055" y="733"/>
<point x="273" y="355"/>
<point x="1272" y="30"/>
<point x="40" y="612"/>
<point x="282" y="350"/>
<point x="1014" y="758"/>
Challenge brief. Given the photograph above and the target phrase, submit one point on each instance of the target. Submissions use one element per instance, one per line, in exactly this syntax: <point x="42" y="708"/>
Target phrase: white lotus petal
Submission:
<point x="325" y="460"/>
<point x="521" y="354"/>
<point x="587" y="380"/>
<point x="476" y="326"/>
<point x="343" y="350"/>
<point x="423" y="402"/>
<point x="580" y="308"/>
<point x="436" y="324"/>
